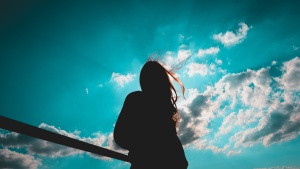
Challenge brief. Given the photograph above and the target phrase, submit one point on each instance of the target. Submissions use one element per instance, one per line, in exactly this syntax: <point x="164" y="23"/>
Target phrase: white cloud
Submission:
<point x="242" y="118"/>
<point x="274" y="62"/>
<point x="209" y="51"/>
<point x="226" y="149"/>
<point x="11" y="159"/>
<point x="121" y="80"/>
<point x="230" y="38"/>
<point x="255" y="97"/>
<point x="216" y="149"/>
<point x="54" y="129"/>
<point x="240" y="86"/>
<point x="234" y="152"/>
<point x="227" y="124"/>
<point x="291" y="74"/>
<point x="201" y="144"/>
<point x="218" y="61"/>
<point x="248" y="116"/>
<point x="197" y="68"/>
<point x="183" y="54"/>
<point x="173" y="61"/>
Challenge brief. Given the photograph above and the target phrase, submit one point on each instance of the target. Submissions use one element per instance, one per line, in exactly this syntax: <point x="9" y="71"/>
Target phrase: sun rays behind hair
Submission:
<point x="170" y="63"/>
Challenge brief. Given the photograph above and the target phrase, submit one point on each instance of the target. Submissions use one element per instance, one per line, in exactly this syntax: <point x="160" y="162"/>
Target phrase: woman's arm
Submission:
<point x="125" y="125"/>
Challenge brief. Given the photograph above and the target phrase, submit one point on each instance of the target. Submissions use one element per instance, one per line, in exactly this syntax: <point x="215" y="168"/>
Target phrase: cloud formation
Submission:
<point x="173" y="61"/>
<point x="196" y="112"/>
<point x="182" y="55"/>
<point x="209" y="51"/>
<point x="197" y="68"/>
<point x="11" y="159"/>
<point x="253" y="106"/>
<point x="37" y="146"/>
<point x="291" y="77"/>
<point x="276" y="126"/>
<point x="121" y="80"/>
<point x="230" y="38"/>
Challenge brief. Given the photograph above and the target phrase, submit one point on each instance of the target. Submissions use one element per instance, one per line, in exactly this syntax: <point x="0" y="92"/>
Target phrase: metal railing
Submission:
<point x="32" y="131"/>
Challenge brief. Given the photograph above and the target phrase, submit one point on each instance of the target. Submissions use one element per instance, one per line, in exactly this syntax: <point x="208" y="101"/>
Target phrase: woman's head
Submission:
<point x="154" y="81"/>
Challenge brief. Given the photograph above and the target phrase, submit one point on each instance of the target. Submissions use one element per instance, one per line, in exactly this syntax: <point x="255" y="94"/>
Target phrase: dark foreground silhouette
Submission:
<point x="146" y="125"/>
<point x="32" y="131"/>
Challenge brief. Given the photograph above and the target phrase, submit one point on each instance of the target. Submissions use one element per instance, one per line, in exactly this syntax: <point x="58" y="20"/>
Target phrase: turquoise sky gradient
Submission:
<point x="67" y="67"/>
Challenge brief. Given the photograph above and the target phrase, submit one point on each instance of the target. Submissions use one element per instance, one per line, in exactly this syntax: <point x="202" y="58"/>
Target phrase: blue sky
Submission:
<point x="67" y="67"/>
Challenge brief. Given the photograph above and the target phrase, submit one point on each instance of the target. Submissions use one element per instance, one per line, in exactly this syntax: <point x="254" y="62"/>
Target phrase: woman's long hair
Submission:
<point x="155" y="81"/>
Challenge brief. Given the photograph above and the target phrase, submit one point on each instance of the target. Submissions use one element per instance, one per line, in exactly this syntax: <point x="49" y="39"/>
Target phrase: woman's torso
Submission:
<point x="154" y="142"/>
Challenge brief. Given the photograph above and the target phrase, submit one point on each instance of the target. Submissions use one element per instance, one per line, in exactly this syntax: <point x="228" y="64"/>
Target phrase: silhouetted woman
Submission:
<point x="147" y="122"/>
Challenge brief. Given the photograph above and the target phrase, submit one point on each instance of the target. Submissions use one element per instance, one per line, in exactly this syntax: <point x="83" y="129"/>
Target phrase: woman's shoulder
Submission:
<point x="134" y="100"/>
<point x="136" y="95"/>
